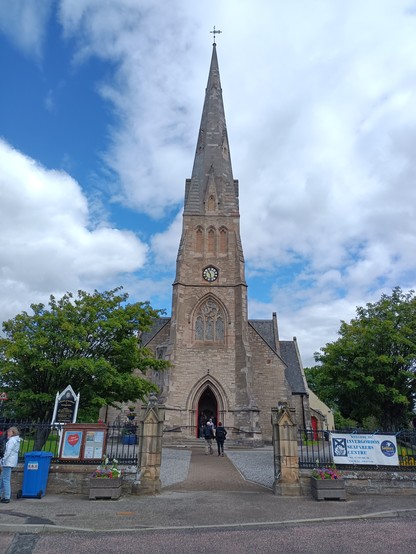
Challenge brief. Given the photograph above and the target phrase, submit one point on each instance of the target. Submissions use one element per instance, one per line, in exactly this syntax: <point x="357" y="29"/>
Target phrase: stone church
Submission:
<point x="223" y="365"/>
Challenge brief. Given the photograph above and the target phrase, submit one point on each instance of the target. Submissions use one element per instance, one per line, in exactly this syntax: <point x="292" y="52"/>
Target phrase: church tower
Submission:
<point x="208" y="338"/>
<point x="222" y="365"/>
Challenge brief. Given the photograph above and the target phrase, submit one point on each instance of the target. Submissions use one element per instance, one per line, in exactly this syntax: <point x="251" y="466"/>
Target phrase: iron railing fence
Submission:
<point x="315" y="451"/>
<point x="122" y="441"/>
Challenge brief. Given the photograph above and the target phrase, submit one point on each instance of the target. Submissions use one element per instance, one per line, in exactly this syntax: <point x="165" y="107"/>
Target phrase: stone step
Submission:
<point x="183" y="442"/>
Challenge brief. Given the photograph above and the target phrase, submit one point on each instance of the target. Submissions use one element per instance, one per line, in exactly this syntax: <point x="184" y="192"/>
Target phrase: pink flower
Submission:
<point x="326" y="473"/>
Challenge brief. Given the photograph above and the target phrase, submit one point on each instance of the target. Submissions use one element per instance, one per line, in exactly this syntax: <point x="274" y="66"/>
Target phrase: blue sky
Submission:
<point x="100" y="103"/>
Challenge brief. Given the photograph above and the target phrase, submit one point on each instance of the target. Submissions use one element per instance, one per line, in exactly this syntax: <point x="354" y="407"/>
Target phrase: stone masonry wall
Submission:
<point x="370" y="482"/>
<point x="269" y="380"/>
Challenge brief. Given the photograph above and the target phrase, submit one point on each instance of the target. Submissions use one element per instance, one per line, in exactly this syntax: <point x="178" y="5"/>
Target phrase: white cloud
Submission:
<point x="321" y="116"/>
<point x="24" y="23"/>
<point x="47" y="242"/>
<point x="319" y="100"/>
<point x="165" y="245"/>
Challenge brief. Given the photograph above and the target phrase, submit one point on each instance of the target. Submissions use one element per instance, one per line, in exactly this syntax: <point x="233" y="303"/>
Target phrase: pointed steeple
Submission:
<point x="212" y="157"/>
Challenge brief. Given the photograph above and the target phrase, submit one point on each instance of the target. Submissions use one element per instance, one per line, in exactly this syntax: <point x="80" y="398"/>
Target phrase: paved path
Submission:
<point x="214" y="473"/>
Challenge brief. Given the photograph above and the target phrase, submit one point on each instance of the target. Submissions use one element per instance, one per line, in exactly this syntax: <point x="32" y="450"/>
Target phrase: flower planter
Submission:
<point x="328" y="489"/>
<point x="102" y="487"/>
<point x="129" y="439"/>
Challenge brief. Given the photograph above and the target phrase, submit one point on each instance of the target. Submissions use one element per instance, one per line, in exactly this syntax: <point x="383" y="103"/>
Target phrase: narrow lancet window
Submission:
<point x="211" y="203"/>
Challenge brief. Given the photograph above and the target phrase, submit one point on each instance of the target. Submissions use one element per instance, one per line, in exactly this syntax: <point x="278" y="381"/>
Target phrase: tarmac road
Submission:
<point x="325" y="537"/>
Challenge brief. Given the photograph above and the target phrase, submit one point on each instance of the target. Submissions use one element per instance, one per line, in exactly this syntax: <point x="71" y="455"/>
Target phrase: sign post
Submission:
<point x="66" y="406"/>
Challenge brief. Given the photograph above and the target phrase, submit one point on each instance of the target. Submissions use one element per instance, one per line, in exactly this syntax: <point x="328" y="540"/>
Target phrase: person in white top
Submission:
<point x="8" y="462"/>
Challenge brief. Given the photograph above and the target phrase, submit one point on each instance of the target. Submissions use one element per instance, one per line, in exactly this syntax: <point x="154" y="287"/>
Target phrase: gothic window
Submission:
<point x="209" y="322"/>
<point x="158" y="378"/>
<point x="199" y="328"/>
<point x="199" y="241"/>
<point x="161" y="352"/>
<point x="209" y="329"/>
<point x="211" y="241"/>
<point x="223" y="241"/>
<point x="219" y="328"/>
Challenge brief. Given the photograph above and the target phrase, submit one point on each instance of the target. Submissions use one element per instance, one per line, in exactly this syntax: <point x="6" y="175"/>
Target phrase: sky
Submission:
<point x="100" y="105"/>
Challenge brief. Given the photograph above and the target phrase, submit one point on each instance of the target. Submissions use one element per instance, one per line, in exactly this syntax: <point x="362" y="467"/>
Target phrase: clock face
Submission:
<point x="210" y="274"/>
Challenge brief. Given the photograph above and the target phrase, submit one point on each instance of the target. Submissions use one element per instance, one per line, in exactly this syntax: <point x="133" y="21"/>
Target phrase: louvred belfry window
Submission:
<point x="223" y="241"/>
<point x="199" y="241"/>
<point x="211" y="241"/>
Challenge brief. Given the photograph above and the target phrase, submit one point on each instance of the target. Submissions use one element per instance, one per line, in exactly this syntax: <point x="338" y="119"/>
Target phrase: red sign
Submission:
<point x="73" y="439"/>
<point x="3" y="396"/>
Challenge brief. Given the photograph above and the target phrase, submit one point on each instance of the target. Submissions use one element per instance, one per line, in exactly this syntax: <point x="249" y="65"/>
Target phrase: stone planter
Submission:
<point x="105" y="488"/>
<point x="328" y="489"/>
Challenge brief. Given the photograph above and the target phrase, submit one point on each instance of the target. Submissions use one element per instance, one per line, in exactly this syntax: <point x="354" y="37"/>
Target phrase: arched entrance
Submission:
<point x="207" y="408"/>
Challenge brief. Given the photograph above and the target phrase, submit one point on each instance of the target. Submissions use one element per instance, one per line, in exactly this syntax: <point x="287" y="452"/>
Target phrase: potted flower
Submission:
<point x="327" y="484"/>
<point x="106" y="480"/>
<point x="132" y="413"/>
<point x="128" y="434"/>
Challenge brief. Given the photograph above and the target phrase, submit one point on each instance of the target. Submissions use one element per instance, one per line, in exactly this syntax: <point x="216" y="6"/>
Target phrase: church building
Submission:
<point x="223" y="365"/>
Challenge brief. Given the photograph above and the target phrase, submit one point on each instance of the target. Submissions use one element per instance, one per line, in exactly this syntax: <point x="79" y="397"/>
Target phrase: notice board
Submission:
<point x="83" y="441"/>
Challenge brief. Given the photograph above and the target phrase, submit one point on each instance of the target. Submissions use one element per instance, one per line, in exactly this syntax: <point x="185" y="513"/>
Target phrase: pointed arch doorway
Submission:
<point x="207" y="408"/>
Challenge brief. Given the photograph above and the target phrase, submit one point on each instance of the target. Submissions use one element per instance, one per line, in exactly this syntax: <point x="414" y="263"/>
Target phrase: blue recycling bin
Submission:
<point x="35" y="475"/>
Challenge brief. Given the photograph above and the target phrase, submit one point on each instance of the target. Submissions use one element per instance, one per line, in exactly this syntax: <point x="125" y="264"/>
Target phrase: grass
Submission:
<point x="51" y="444"/>
<point x="407" y="456"/>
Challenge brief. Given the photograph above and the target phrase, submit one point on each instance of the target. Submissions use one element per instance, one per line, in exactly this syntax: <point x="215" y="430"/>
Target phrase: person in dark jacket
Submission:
<point x="208" y="436"/>
<point x="220" y="435"/>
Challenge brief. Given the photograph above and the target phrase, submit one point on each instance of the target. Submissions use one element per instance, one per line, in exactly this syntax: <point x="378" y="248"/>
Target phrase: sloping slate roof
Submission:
<point x="264" y="328"/>
<point x="157" y="326"/>
<point x="289" y="354"/>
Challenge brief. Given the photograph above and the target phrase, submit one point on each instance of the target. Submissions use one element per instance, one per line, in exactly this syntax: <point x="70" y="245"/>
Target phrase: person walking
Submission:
<point x="208" y="436"/>
<point x="220" y="435"/>
<point x="8" y="462"/>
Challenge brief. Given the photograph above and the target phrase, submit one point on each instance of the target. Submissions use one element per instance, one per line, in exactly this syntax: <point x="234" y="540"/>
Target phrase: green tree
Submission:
<point x="370" y="369"/>
<point x="89" y="342"/>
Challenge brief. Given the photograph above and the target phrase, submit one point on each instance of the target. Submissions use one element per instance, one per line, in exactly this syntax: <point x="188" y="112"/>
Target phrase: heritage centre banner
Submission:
<point x="363" y="449"/>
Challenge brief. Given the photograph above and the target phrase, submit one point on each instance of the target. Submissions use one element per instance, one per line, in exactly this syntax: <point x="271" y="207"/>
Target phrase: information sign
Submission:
<point x="362" y="449"/>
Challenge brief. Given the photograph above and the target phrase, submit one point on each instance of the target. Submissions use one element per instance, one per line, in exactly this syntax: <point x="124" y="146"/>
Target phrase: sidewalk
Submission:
<point x="213" y="494"/>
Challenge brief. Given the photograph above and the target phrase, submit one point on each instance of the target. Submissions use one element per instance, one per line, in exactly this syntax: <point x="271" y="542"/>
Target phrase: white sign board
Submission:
<point x="360" y="449"/>
<point x="66" y="406"/>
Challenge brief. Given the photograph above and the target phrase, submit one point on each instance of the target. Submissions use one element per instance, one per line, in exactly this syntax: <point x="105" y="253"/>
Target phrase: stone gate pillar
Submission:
<point x="285" y="452"/>
<point x="151" y="422"/>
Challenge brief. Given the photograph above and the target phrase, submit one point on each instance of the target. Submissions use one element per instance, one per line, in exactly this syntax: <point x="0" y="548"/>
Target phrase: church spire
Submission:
<point x="212" y="157"/>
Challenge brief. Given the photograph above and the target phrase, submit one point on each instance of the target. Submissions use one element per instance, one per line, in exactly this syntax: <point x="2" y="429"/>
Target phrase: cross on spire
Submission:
<point x="214" y="32"/>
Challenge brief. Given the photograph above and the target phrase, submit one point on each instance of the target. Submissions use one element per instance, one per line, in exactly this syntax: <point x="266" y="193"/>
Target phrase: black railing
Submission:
<point x="122" y="441"/>
<point x="315" y="451"/>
